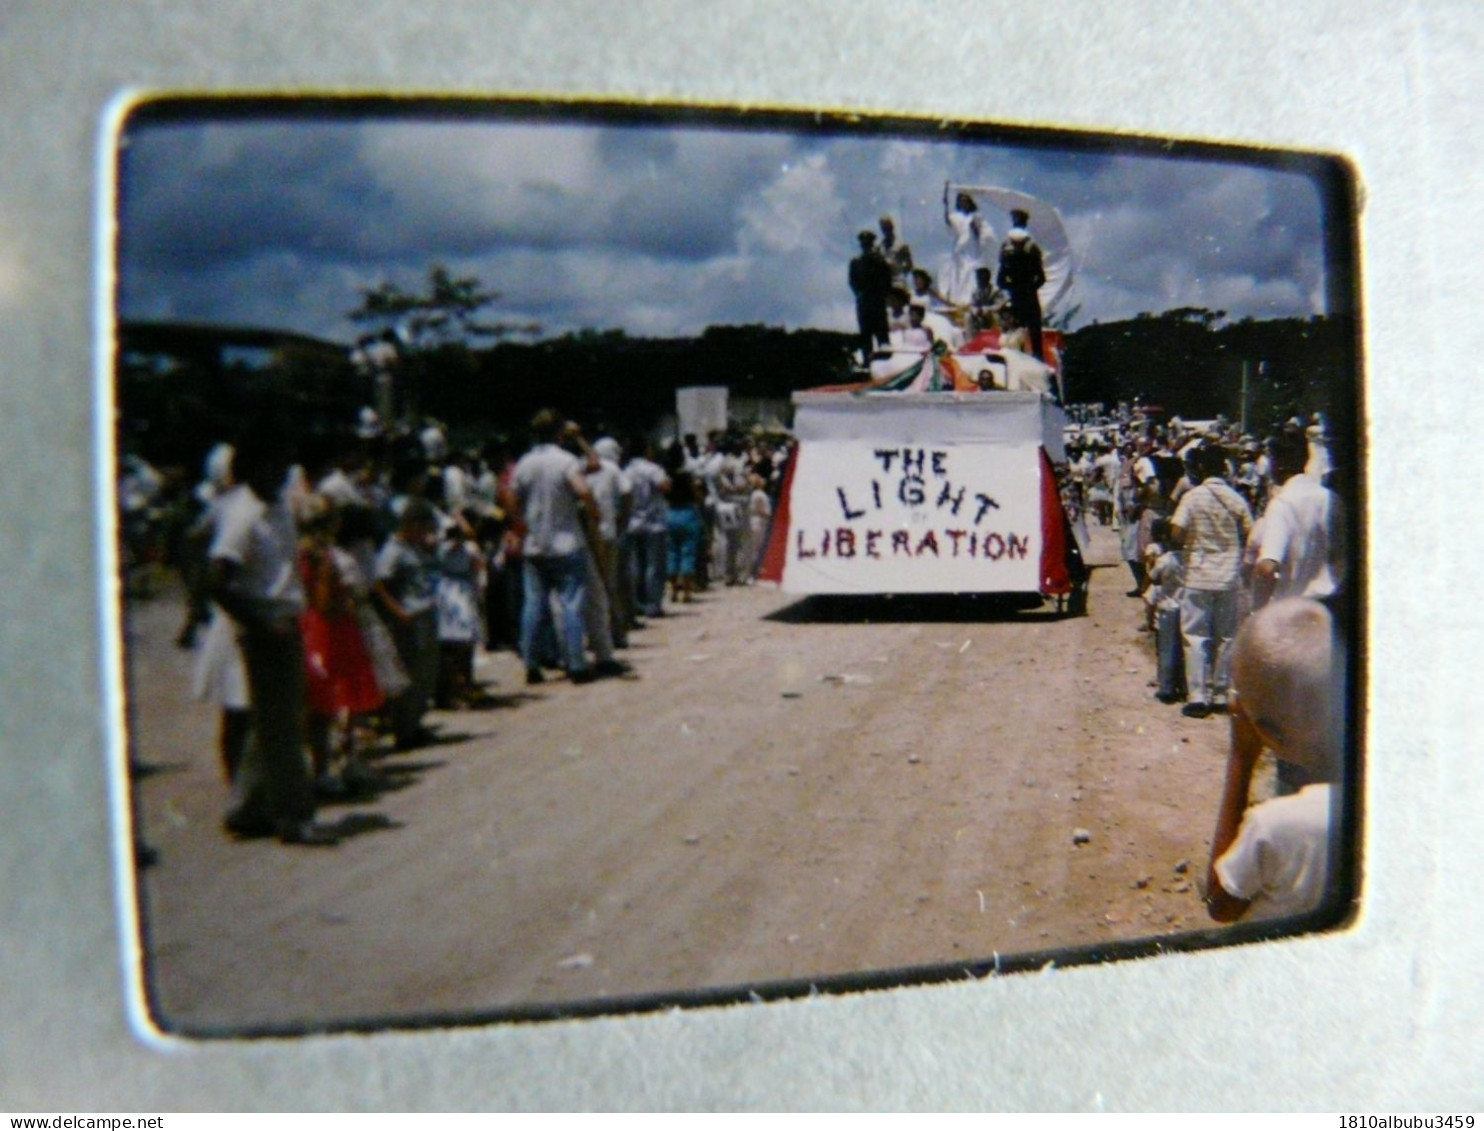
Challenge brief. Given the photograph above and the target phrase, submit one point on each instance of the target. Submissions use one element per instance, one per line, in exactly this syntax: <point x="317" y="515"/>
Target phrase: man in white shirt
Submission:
<point x="648" y="532"/>
<point x="253" y="575"/>
<point x="1210" y="525"/>
<point x="1300" y="553"/>
<point x="1144" y="466"/>
<point x="550" y="492"/>
<point x="730" y="492"/>
<point x="898" y="320"/>
<point x="1109" y="468"/>
<point x="339" y="483"/>
<point x="457" y="483"/>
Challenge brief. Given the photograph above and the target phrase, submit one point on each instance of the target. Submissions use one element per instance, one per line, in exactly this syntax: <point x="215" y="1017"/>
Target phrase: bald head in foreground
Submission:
<point x="1288" y="673"/>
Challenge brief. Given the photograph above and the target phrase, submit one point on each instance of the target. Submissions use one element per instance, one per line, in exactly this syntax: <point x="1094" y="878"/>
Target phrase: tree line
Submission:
<point x="1185" y="362"/>
<point x="475" y="375"/>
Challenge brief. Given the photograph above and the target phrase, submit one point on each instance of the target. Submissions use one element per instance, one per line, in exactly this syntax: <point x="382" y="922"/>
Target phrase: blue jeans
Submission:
<point x="566" y="576"/>
<point x="1171" y="658"/>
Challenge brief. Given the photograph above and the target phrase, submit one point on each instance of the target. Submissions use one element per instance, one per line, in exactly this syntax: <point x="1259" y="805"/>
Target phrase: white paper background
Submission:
<point x="1385" y="1016"/>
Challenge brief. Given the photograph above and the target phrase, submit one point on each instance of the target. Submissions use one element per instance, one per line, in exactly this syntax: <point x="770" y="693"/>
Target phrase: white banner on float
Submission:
<point x="1013" y="419"/>
<point x="873" y="516"/>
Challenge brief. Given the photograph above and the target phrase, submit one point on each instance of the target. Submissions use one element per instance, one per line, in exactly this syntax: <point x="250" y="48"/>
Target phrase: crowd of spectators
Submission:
<point x="1237" y="550"/>
<point x="342" y="588"/>
<point x="1212" y="524"/>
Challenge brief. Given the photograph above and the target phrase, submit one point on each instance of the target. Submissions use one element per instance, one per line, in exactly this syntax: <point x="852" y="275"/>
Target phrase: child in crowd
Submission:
<point x="340" y="678"/>
<point x="220" y="678"/>
<point x="759" y="517"/>
<point x="1137" y="500"/>
<point x="1151" y="509"/>
<point x="356" y="543"/>
<point x="460" y="583"/>
<point x="406" y="592"/>
<point x="217" y="482"/>
<point x="1288" y="674"/>
<point x="1163" y="597"/>
<point x="1100" y="498"/>
<point x="685" y="529"/>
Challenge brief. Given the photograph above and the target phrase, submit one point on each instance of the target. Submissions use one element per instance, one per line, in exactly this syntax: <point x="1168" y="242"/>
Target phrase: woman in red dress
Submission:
<point x="341" y="679"/>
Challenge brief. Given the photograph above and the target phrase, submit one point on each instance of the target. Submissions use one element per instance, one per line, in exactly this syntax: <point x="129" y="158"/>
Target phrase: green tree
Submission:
<point x="436" y="327"/>
<point x="446" y="312"/>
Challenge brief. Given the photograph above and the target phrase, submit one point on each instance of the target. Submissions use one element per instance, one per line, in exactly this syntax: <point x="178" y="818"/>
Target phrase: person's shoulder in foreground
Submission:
<point x="1273" y="859"/>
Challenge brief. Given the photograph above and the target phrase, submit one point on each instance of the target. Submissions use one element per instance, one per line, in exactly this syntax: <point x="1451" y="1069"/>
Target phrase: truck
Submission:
<point x="927" y="493"/>
<point x="939" y="472"/>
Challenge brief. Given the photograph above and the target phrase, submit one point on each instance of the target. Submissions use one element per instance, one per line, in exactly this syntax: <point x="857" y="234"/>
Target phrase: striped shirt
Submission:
<point x="1215" y="521"/>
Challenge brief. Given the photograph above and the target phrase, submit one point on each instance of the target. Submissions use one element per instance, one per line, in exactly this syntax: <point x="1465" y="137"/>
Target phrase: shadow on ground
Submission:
<point x="918" y="608"/>
<point x="928" y="608"/>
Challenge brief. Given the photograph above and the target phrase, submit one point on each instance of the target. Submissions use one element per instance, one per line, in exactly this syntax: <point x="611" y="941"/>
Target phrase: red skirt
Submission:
<point x="338" y="666"/>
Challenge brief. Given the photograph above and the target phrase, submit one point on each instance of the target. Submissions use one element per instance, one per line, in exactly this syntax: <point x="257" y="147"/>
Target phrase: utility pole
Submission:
<point x="1243" y="431"/>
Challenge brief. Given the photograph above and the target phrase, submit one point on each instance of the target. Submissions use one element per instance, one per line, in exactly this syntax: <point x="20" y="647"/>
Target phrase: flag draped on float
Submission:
<point x="936" y="372"/>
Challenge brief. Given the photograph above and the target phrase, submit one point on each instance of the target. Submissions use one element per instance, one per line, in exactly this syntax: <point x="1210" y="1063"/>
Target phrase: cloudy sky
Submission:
<point x="661" y="230"/>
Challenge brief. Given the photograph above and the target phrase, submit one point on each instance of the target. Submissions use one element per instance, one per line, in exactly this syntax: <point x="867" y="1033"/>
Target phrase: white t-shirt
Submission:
<point x="759" y="510"/>
<point x="455" y="487"/>
<point x="708" y="470"/>
<point x="610" y="486"/>
<point x="1166" y="591"/>
<point x="264" y="543"/>
<point x="1297" y="534"/>
<point x="1280" y="858"/>
<point x="405" y="572"/>
<point x="543" y="482"/>
<point x="486" y="489"/>
<point x="434" y="442"/>
<point x="338" y="488"/>
<point x="648" y="480"/>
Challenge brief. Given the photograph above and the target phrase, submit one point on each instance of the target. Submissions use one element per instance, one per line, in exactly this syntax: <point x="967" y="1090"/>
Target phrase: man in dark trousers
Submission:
<point x="870" y="279"/>
<point x="1022" y="274"/>
<point x="254" y="576"/>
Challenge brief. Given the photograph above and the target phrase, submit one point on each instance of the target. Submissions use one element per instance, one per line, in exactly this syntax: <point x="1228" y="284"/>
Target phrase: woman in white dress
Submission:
<point x="220" y="676"/>
<point x="972" y="234"/>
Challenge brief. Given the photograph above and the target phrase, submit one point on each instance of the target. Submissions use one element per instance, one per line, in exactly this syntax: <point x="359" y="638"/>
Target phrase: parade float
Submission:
<point x="938" y="471"/>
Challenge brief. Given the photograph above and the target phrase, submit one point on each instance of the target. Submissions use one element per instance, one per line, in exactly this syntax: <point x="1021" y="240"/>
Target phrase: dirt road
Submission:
<point x="776" y="797"/>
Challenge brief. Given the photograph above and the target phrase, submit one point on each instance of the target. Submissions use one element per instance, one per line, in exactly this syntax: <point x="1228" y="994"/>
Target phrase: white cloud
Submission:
<point x="663" y="231"/>
<point x="799" y="212"/>
<point x="516" y="178"/>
